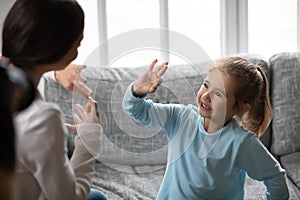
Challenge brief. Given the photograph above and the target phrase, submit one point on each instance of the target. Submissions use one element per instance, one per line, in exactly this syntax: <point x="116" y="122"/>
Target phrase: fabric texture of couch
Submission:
<point x="132" y="159"/>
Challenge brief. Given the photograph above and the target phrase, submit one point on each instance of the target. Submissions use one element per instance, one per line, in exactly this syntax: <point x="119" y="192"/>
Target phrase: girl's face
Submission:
<point x="215" y="99"/>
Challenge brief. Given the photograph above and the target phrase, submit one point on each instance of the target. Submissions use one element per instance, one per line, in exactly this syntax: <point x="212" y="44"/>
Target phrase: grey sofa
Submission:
<point x="132" y="158"/>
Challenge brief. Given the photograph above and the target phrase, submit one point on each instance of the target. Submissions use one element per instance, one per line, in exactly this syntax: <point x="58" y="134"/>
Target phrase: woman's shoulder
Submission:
<point x="43" y="106"/>
<point x="40" y="118"/>
<point x="39" y="109"/>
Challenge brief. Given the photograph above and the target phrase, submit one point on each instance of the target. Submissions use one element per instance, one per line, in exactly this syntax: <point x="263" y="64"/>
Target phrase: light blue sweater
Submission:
<point x="202" y="165"/>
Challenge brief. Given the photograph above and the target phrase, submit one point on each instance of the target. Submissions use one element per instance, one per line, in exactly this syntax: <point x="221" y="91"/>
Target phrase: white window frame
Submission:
<point x="234" y="27"/>
<point x="102" y="24"/>
<point x="164" y="24"/>
<point x="298" y="25"/>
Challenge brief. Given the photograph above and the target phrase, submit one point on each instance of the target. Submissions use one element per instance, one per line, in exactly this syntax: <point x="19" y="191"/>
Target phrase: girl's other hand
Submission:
<point x="150" y="80"/>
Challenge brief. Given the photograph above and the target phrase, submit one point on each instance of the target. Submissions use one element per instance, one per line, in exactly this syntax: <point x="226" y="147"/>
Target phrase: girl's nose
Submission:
<point x="206" y="96"/>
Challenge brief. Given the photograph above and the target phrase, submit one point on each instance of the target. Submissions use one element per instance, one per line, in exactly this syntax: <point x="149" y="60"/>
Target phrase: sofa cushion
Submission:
<point x="291" y="163"/>
<point x="285" y="69"/>
<point x="56" y="93"/>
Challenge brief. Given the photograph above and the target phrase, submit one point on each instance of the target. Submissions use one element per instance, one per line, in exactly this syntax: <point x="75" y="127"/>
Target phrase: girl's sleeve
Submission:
<point x="152" y="115"/>
<point x="58" y="177"/>
<point x="260" y="165"/>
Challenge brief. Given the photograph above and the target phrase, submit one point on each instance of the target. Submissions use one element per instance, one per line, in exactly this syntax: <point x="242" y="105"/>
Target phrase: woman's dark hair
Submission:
<point x="41" y="31"/>
<point x="7" y="146"/>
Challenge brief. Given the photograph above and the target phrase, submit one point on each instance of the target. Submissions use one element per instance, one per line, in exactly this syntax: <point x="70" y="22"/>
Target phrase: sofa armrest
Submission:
<point x="291" y="163"/>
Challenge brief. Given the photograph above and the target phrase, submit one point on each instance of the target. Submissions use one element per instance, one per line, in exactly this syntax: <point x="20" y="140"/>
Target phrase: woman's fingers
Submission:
<point x="88" y="106"/>
<point x="71" y="127"/>
<point x="94" y="109"/>
<point x="79" y="79"/>
<point x="77" y="120"/>
<point x="93" y="105"/>
<point x="88" y="115"/>
<point x="81" y="111"/>
<point x="80" y="87"/>
<point x="80" y="67"/>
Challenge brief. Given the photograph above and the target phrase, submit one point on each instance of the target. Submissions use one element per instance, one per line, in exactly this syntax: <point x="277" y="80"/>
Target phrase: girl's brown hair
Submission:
<point x="253" y="89"/>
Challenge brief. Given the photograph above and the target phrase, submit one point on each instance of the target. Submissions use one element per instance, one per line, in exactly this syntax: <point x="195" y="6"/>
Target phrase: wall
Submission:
<point x="4" y="7"/>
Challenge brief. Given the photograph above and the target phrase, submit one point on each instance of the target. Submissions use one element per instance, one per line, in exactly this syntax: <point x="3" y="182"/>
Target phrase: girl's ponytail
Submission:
<point x="260" y="114"/>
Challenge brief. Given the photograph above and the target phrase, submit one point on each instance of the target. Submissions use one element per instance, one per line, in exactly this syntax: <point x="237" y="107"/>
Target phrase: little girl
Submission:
<point x="212" y="146"/>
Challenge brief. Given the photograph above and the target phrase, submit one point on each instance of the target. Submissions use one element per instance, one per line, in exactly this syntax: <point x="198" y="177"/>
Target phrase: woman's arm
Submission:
<point x="47" y="159"/>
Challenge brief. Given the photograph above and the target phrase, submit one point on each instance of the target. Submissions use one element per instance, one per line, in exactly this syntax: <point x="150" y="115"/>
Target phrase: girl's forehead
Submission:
<point x="216" y="76"/>
<point x="222" y="81"/>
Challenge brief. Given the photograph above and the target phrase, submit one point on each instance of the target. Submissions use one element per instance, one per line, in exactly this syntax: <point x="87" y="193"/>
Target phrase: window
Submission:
<point x="91" y="30"/>
<point x="262" y="27"/>
<point x="272" y="26"/>
<point x="199" y="21"/>
<point x="123" y="16"/>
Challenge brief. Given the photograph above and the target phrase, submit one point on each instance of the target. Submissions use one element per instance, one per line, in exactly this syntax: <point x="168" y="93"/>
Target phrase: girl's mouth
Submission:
<point x="204" y="106"/>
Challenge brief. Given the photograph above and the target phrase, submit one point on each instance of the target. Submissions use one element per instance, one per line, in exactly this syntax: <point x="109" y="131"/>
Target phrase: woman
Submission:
<point x="42" y="36"/>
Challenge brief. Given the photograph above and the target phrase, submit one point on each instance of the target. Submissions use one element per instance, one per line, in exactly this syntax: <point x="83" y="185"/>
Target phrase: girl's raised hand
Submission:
<point x="150" y="80"/>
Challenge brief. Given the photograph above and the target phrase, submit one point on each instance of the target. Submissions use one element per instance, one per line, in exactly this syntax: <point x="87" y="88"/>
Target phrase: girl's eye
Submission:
<point x="205" y="85"/>
<point x="218" y="94"/>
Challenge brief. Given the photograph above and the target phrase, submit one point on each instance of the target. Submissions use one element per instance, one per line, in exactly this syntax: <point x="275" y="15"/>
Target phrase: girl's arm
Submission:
<point x="152" y="115"/>
<point x="145" y="112"/>
<point x="260" y="165"/>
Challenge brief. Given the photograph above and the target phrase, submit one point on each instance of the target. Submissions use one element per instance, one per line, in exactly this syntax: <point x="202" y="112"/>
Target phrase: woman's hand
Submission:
<point x="70" y="78"/>
<point x="150" y="80"/>
<point x="88" y="115"/>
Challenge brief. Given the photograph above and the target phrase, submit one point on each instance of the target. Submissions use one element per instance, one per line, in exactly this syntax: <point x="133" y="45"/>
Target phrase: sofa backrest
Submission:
<point x="285" y="70"/>
<point x="125" y="142"/>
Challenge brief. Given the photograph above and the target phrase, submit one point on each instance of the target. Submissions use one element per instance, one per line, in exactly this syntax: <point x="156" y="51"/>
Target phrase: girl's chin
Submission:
<point x="203" y="113"/>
